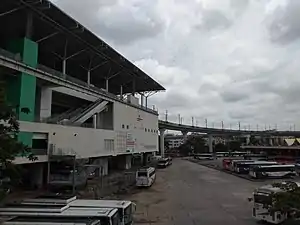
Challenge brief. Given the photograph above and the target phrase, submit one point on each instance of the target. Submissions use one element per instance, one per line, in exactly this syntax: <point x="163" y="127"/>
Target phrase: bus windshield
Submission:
<point x="128" y="215"/>
<point x="262" y="198"/>
<point x="115" y="220"/>
<point x="142" y="174"/>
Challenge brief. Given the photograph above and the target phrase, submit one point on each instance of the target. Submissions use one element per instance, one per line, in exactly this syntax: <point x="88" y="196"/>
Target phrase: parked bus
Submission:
<point x="275" y="171"/>
<point x="256" y="157"/>
<point x="234" y="162"/>
<point x="125" y="208"/>
<point x="262" y="201"/>
<point x="164" y="162"/>
<point x="243" y="167"/>
<point x="33" y="220"/>
<point x="145" y="177"/>
<point x="226" y="164"/>
<point x="204" y="156"/>
<point x="107" y="216"/>
<point x="222" y="154"/>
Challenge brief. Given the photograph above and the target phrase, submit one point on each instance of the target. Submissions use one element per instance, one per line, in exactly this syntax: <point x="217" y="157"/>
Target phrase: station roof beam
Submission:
<point x="78" y="52"/>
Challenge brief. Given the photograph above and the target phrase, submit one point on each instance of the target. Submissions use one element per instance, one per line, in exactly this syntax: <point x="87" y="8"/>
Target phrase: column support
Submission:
<point x="106" y="85"/>
<point x="210" y="144"/>
<point x="89" y="77"/>
<point x="46" y="101"/>
<point x="121" y="91"/>
<point x="162" y="142"/>
<point x="184" y="133"/>
<point x="95" y="121"/>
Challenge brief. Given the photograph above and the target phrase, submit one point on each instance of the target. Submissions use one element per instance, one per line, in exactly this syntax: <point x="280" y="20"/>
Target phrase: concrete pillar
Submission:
<point x="46" y="101"/>
<point x="248" y="140"/>
<point x="88" y="77"/>
<point x="184" y="133"/>
<point x="36" y="175"/>
<point x="125" y="162"/>
<point x="103" y="163"/>
<point x="95" y="116"/>
<point x="162" y="141"/>
<point x="271" y="141"/>
<point x="142" y="100"/>
<point x="210" y="143"/>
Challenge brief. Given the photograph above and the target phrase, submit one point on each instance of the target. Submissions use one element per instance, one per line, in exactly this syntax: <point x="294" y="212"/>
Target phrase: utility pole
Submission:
<point x="294" y="127"/>
<point x="181" y="120"/>
<point x="196" y="123"/>
<point x="239" y="125"/>
<point x="192" y="121"/>
<point x="206" y="123"/>
<point x="230" y="126"/>
<point x="178" y="118"/>
<point x="222" y="124"/>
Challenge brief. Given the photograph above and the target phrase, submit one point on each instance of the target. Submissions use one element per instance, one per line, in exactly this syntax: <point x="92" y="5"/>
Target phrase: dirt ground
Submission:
<point x="188" y="193"/>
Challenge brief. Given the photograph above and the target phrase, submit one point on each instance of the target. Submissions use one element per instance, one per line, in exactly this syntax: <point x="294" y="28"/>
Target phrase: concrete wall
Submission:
<point x="135" y="124"/>
<point x="84" y="142"/>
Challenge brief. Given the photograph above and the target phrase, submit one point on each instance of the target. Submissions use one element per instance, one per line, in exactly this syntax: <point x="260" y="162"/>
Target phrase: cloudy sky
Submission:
<point x="224" y="60"/>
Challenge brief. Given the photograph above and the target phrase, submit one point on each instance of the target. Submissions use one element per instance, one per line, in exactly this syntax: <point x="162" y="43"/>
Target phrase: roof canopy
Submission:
<point x="59" y="36"/>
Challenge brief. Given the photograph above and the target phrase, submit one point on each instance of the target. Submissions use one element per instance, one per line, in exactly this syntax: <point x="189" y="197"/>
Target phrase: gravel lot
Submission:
<point x="188" y="193"/>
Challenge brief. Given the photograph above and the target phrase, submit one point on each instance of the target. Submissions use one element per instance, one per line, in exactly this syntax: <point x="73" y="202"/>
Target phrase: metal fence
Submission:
<point x="108" y="185"/>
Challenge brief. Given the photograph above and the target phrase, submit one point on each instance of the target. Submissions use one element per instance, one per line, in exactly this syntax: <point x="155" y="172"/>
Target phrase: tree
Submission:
<point x="192" y="144"/>
<point x="10" y="147"/>
<point x="287" y="201"/>
<point x="220" y="147"/>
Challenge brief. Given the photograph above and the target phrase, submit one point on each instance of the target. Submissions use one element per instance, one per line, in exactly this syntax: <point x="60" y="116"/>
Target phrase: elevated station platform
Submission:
<point x="85" y="98"/>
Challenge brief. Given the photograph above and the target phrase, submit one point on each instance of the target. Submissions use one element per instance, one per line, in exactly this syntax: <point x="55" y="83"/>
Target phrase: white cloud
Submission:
<point x="230" y="60"/>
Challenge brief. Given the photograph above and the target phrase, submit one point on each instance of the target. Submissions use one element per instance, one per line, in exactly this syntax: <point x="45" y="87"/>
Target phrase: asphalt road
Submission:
<point x="187" y="193"/>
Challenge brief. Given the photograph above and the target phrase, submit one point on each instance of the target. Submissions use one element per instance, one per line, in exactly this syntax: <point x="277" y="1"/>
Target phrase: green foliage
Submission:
<point x="10" y="146"/>
<point x="193" y="144"/>
<point x="287" y="200"/>
<point x="220" y="147"/>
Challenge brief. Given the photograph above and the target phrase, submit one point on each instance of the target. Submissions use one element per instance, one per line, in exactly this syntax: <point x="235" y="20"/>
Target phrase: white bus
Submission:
<point x="204" y="156"/>
<point x="234" y="162"/>
<point x="274" y="171"/>
<point x="125" y="208"/>
<point x="145" y="177"/>
<point x="107" y="216"/>
<point x="262" y="198"/>
<point x="244" y="167"/>
<point x="32" y="220"/>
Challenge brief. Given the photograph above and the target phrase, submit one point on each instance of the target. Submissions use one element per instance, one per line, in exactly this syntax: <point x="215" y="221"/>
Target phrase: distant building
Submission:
<point x="174" y="140"/>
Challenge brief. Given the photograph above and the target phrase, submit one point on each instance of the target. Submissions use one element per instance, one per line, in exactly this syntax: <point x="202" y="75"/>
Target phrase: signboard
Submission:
<point x="129" y="143"/>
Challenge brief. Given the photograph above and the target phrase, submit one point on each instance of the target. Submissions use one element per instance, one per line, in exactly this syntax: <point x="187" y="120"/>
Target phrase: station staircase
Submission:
<point x="96" y="107"/>
<point x="79" y="115"/>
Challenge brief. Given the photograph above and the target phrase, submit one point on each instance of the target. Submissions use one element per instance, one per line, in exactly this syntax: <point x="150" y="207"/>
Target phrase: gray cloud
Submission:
<point x="284" y="24"/>
<point x="224" y="60"/>
<point x="116" y="21"/>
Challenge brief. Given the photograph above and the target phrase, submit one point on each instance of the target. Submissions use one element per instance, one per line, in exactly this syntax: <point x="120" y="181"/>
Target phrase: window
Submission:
<point x="127" y="126"/>
<point x="123" y="126"/>
<point x="145" y="129"/>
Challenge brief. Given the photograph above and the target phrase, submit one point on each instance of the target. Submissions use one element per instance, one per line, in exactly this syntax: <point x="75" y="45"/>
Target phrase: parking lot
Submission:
<point x="188" y="193"/>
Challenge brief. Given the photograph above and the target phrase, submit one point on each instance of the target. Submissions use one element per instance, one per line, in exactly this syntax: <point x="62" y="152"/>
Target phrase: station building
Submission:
<point x="85" y="99"/>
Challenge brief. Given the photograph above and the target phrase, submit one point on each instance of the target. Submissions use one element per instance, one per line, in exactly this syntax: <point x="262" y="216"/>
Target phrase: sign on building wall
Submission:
<point x="130" y="142"/>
